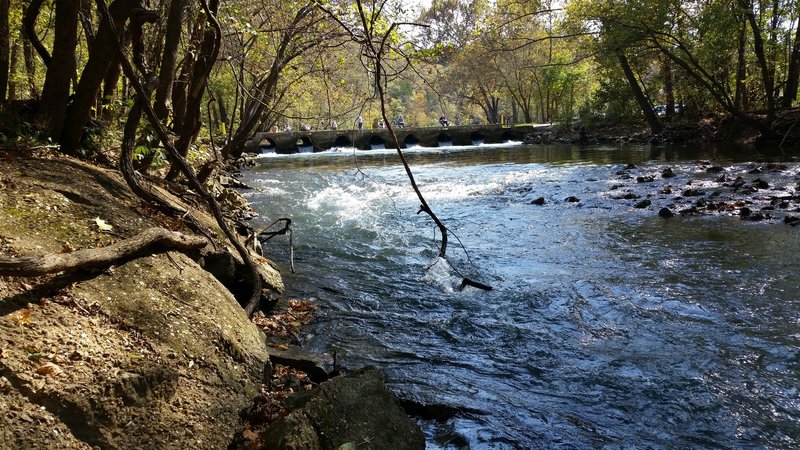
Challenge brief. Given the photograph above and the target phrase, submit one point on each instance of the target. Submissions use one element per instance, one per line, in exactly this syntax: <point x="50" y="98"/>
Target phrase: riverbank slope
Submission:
<point x="151" y="352"/>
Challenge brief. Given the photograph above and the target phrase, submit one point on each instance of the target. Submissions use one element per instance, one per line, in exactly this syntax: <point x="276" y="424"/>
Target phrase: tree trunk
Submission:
<point x="207" y="56"/>
<point x="793" y="77"/>
<point x="55" y="93"/>
<point x="12" y="69"/>
<point x="741" y="67"/>
<point x="180" y="85"/>
<point x="761" y="57"/>
<point x="29" y="29"/>
<point x="169" y="59"/>
<point x="79" y="111"/>
<point x="30" y="68"/>
<point x="136" y="39"/>
<point x="669" y="91"/>
<point x="647" y="110"/>
<point x="5" y="48"/>
<point x="254" y="113"/>
<point x="515" y="113"/>
<point x="223" y="111"/>
<point x="110" y="82"/>
<point x="86" y="23"/>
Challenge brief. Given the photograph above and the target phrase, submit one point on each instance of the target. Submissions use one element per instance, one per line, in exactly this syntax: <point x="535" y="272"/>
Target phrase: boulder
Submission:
<point x="356" y="409"/>
<point x="152" y="353"/>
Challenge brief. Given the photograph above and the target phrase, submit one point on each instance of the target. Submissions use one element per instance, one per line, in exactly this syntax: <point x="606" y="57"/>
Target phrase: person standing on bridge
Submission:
<point x="360" y="122"/>
<point x="443" y="120"/>
<point x="400" y="122"/>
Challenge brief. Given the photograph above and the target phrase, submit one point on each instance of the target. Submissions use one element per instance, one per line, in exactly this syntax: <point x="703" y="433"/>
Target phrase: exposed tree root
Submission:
<point x="150" y="241"/>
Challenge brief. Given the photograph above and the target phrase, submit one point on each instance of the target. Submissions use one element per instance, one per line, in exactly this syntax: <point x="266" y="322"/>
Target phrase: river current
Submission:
<point x="607" y="326"/>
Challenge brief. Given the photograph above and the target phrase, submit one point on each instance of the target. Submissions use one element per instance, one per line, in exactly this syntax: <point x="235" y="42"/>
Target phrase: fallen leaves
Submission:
<point x="279" y="326"/>
<point x="22" y="317"/>
<point x="286" y="324"/>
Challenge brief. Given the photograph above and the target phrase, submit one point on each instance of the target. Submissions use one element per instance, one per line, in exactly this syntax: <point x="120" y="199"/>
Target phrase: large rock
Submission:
<point x="154" y="353"/>
<point x="357" y="409"/>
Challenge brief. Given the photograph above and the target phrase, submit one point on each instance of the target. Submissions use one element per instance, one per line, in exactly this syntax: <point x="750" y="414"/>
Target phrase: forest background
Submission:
<point x="220" y="70"/>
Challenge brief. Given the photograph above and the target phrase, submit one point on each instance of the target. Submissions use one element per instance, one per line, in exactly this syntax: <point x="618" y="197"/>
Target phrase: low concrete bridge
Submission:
<point x="367" y="139"/>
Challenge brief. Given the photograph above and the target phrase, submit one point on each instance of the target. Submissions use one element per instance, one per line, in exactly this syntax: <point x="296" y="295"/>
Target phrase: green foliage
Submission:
<point x="159" y="156"/>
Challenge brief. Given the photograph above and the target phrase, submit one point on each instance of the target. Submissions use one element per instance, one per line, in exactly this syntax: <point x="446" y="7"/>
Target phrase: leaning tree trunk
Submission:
<point x="649" y="115"/>
<point x="761" y="56"/>
<point x="55" y="93"/>
<point x="208" y="51"/>
<point x="169" y="59"/>
<point x="29" y="29"/>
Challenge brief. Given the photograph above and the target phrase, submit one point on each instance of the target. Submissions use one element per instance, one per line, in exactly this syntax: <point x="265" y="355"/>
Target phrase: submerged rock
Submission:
<point x="692" y="193"/>
<point x="738" y="182"/>
<point x="665" y="213"/>
<point x="538" y="201"/>
<point x="643" y="204"/>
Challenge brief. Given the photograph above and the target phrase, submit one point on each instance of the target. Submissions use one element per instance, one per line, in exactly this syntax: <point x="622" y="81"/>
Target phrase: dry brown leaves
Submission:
<point x="284" y="325"/>
<point x="281" y="327"/>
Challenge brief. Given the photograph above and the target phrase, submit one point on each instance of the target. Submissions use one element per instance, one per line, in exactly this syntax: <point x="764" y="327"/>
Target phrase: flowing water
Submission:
<point x="608" y="326"/>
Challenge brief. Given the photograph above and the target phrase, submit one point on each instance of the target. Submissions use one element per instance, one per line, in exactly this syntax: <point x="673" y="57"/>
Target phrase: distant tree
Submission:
<point x="298" y="28"/>
<point x="5" y="47"/>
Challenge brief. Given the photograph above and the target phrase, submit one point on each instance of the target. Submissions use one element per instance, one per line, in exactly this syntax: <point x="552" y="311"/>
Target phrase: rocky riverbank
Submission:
<point x="152" y="351"/>
<point x="680" y="131"/>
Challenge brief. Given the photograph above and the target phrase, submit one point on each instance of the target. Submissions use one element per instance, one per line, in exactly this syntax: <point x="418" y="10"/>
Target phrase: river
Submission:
<point x="608" y="326"/>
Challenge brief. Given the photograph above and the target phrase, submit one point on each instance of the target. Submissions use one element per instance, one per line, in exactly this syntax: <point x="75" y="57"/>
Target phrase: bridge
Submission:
<point x="367" y="139"/>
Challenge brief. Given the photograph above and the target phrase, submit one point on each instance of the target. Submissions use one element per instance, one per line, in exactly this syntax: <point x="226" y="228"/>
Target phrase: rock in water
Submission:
<point x="355" y="408"/>
<point x="665" y="213"/>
